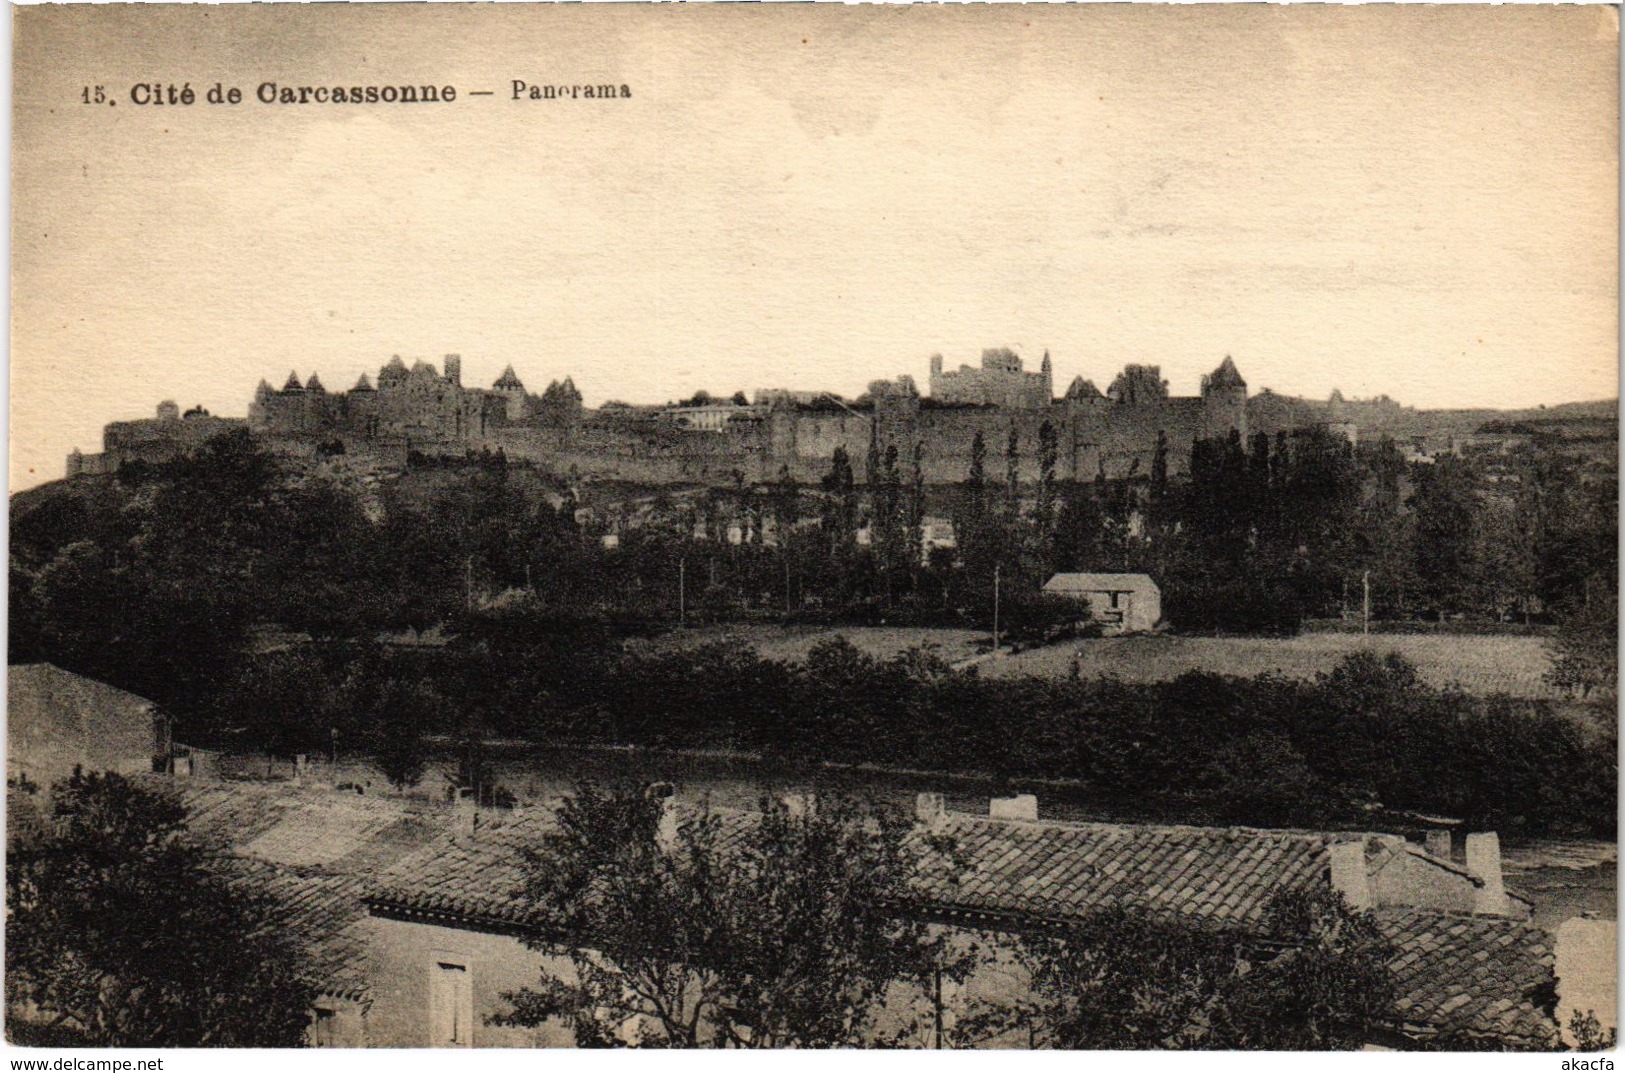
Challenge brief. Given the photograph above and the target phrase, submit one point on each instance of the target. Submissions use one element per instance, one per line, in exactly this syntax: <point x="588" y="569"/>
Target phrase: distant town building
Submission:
<point x="936" y="532"/>
<point x="781" y="396"/>
<point x="1119" y="603"/>
<point x="711" y="416"/>
<point x="1347" y="430"/>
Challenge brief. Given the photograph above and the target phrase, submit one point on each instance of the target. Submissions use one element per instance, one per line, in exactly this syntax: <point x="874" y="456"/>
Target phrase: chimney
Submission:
<point x="929" y="809"/>
<point x="1484" y="862"/>
<point x="466" y="814"/>
<point x="1438" y="842"/>
<point x="454" y="368"/>
<point x="1019" y="807"/>
<point x="666" y="829"/>
<point x="800" y="805"/>
<point x="1349" y="878"/>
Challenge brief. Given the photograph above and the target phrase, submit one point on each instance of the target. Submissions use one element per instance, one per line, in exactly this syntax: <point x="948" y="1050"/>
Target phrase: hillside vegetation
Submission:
<point x="161" y="582"/>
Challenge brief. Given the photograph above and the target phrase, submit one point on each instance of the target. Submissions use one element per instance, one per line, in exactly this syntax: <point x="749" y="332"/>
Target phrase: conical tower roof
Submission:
<point x="315" y="384"/>
<point x="509" y="381"/>
<point x="395" y="370"/>
<point x="1226" y="375"/>
<point x="293" y="383"/>
<point x="363" y="384"/>
<point x="1083" y="389"/>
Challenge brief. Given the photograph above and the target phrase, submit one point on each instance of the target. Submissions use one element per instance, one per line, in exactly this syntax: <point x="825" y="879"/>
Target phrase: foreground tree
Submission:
<point x="1585" y="651"/>
<point x="118" y="934"/>
<point x="777" y="932"/>
<point x="1316" y="978"/>
<point x="404" y="713"/>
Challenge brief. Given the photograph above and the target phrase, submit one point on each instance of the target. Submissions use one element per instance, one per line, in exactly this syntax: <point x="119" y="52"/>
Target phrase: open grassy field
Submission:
<point x="1478" y="664"/>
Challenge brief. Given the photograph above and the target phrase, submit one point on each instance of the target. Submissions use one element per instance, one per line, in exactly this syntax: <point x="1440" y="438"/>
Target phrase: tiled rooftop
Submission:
<point x="477" y="878"/>
<point x="308" y="826"/>
<point x="1223" y="876"/>
<point x="316" y="851"/>
<point x="326" y="912"/>
<point x="1475" y="975"/>
<point x="1481" y="976"/>
<point x="1052" y="871"/>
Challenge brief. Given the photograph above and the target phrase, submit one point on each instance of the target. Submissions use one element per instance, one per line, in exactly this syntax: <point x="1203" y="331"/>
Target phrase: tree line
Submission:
<point x="1258" y="537"/>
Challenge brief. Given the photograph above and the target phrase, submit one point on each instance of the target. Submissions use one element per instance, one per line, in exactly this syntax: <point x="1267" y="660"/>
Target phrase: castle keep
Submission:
<point x="999" y="382"/>
<point x="418" y="408"/>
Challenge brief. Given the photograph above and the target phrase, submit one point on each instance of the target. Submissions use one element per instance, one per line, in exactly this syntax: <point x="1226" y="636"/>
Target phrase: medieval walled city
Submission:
<point x="1116" y="432"/>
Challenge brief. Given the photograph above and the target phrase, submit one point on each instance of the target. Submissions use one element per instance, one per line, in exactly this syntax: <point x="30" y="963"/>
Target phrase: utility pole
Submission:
<point x="995" y="609"/>
<point x="936" y="1006"/>
<point x="1365" y="585"/>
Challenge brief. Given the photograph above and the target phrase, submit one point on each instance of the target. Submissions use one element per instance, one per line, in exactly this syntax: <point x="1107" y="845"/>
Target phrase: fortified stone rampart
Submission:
<point x="156" y="440"/>
<point x="1116" y="433"/>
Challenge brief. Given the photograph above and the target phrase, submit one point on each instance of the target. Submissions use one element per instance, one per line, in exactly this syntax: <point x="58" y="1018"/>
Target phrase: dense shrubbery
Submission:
<point x="1264" y="751"/>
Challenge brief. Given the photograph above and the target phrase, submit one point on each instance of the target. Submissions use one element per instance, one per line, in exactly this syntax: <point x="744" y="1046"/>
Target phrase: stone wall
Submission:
<point x="156" y="440"/>
<point x="402" y="957"/>
<point x="424" y="411"/>
<point x="1091" y="437"/>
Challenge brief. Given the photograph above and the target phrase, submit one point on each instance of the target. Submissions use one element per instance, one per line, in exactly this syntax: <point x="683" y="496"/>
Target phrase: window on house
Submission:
<point x="451" y="1005"/>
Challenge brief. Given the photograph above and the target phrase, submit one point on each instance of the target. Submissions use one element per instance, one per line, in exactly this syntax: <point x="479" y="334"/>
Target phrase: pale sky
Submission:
<point x="1420" y="202"/>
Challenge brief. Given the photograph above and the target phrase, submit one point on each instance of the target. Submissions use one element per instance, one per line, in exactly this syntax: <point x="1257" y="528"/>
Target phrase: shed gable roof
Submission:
<point x="50" y="708"/>
<point x="1083" y="583"/>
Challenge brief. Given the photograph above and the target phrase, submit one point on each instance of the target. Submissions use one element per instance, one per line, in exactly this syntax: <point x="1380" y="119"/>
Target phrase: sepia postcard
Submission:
<point x="810" y="526"/>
